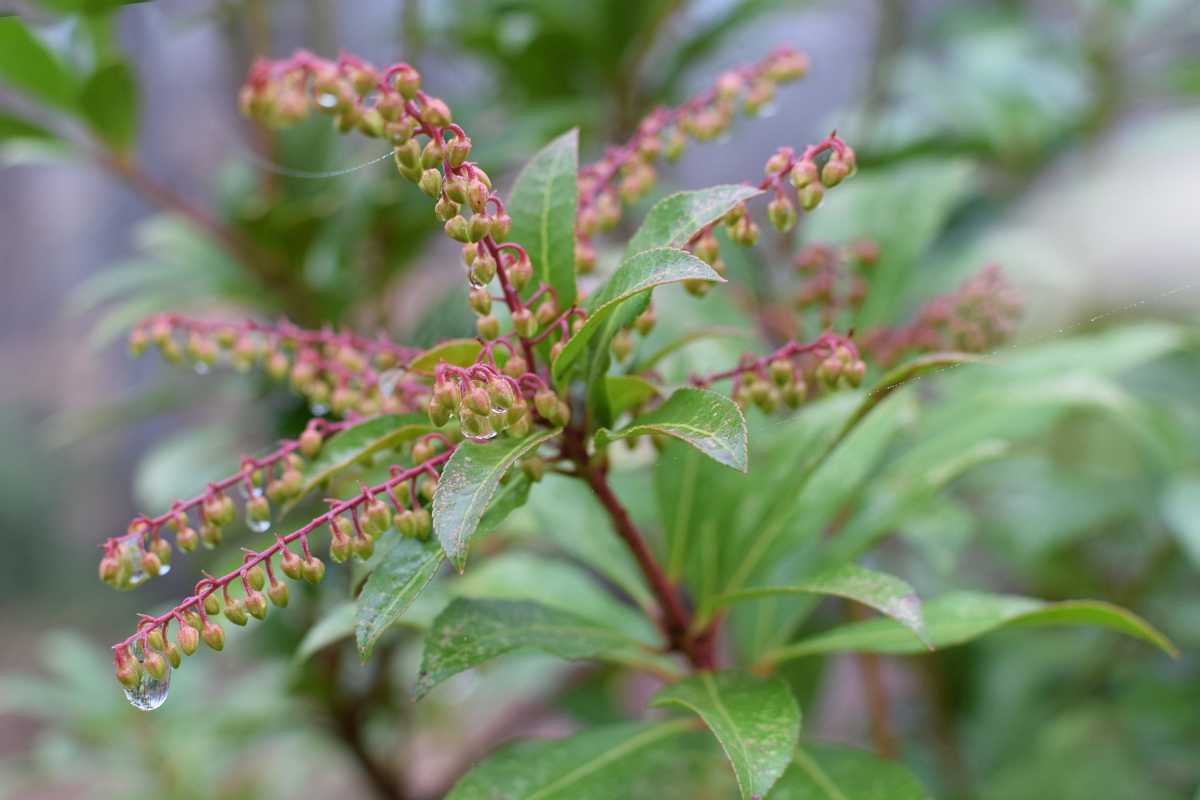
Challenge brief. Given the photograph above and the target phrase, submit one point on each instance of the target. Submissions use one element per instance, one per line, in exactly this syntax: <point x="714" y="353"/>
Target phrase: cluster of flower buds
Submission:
<point x="833" y="279"/>
<point x="793" y="373"/>
<point x="143" y="551"/>
<point x="144" y="660"/>
<point x="488" y="401"/>
<point x="664" y="134"/>
<point x="429" y="150"/>
<point x="809" y="174"/>
<point x="336" y="372"/>
<point x="977" y="317"/>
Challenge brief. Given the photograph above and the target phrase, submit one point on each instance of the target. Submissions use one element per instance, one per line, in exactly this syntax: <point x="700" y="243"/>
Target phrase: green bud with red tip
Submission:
<point x="278" y="592"/>
<point x="291" y="564"/>
<point x="432" y="156"/>
<point x="188" y="639"/>
<point x="313" y="570"/>
<point x="310" y="442"/>
<point x="256" y="577"/>
<point x="235" y="610"/>
<point x="488" y="326"/>
<point x="364" y="547"/>
<point x="256" y="604"/>
<point x="173" y="655"/>
<point x="213" y="635"/>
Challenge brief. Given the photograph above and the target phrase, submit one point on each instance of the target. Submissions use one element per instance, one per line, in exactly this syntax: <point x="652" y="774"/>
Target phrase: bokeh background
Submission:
<point x="1059" y="139"/>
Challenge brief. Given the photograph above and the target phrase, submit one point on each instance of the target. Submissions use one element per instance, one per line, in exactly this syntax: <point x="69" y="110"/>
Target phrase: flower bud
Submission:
<point x="782" y="372"/>
<point x="436" y="113"/>
<point x="520" y="271"/>
<point x="235" y="610"/>
<point x="480" y="300"/>
<point x="371" y="123"/>
<point x="213" y="636"/>
<point x="777" y="163"/>
<point x="406" y="523"/>
<point x="745" y="232"/>
<point x="423" y="523"/>
<point x="445" y="209"/>
<point x="834" y="171"/>
<point x="811" y="196"/>
<point x="188" y="639"/>
<point x="313" y="570"/>
<point x="488" y="326"/>
<point x="339" y="549"/>
<point x="707" y="248"/>
<point x="622" y="345"/>
<point x="546" y="403"/>
<point x="256" y="577"/>
<point x="407" y="155"/>
<point x="431" y="182"/>
<point x="212" y="604"/>
<point x="782" y="214"/>
<point x="854" y="372"/>
<point x="534" y="467"/>
<point x="482" y="269"/>
<point x="258" y="509"/>
<point x="459" y="150"/>
<point x="406" y="80"/>
<point x="456" y="228"/>
<point x="556" y="350"/>
<point x="477" y="195"/>
<point x="524" y="323"/>
<point x="803" y="174"/>
<point x="364" y="547"/>
<point x="173" y="655"/>
<point x="456" y="188"/>
<point x="478" y="227"/>
<point x="310" y="443"/>
<point x="155" y="665"/>
<point x="256" y="604"/>
<point x="585" y="256"/>
<point x="829" y="371"/>
<point x="110" y="569"/>
<point x="645" y="322"/>
<point x="501" y="225"/>
<point x="377" y="518"/>
<point x="290" y="563"/>
<point x="151" y="565"/>
<point x="154" y="639"/>
<point x="676" y="142"/>
<point x="278" y="592"/>
<point x="433" y="154"/>
<point x="191" y="617"/>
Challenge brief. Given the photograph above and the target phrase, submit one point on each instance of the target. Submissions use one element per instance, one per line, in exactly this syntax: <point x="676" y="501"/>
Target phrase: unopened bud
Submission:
<point x="456" y="228"/>
<point x="155" y="665"/>
<point x="310" y="443"/>
<point x="188" y="639"/>
<point x="155" y="640"/>
<point x="256" y="604"/>
<point x="291" y="564"/>
<point x="151" y="564"/>
<point x="235" y="610"/>
<point x="811" y="196"/>
<point x="256" y="577"/>
<point x="212" y="604"/>
<point x="173" y="655"/>
<point x="524" y="323"/>
<point x="436" y="113"/>
<point x="834" y="171"/>
<point x="213" y="636"/>
<point x="313" y="570"/>
<point x="520" y="272"/>
<point x="478" y="227"/>
<point x="782" y="214"/>
<point x="278" y="592"/>
<point x="364" y="547"/>
<point x="488" y="326"/>
<point x="431" y="182"/>
<point x="459" y="150"/>
<point x="622" y="345"/>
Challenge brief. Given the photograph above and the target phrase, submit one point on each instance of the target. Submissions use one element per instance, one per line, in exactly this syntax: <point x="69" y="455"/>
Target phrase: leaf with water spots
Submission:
<point x="959" y="617"/>
<point x="468" y="483"/>
<point x="542" y="206"/>
<point x="626" y="761"/>
<point x="404" y="571"/>
<point x="708" y="421"/>
<point x="756" y="720"/>
<point x="885" y="593"/>
<point x="675" y="219"/>
<point x="469" y="632"/>
<point x="833" y="772"/>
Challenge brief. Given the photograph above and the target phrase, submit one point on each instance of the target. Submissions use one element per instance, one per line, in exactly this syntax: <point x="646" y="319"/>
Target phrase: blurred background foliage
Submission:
<point x="1058" y="138"/>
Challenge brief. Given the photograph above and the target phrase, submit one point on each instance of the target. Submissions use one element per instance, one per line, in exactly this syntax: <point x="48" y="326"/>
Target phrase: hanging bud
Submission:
<point x="445" y="209"/>
<point x="436" y="113"/>
<point x="782" y="372"/>
<point x="423" y="523"/>
<point x="256" y="577"/>
<point x="477" y="195"/>
<point x="188" y="639"/>
<point x="110" y="569"/>
<point x="173" y="655"/>
<point x="213" y="636"/>
<point x="155" y="640"/>
<point x="431" y="183"/>
<point x="407" y="155"/>
<point x="803" y="174"/>
<point x="622" y="345"/>
<point x="364" y="547"/>
<point x="520" y="271"/>
<point x="829" y="371"/>
<point x="313" y="570"/>
<point x="278" y="592"/>
<point x="744" y="232"/>
<point x="782" y="214"/>
<point x="212" y="604"/>
<point x="501" y="225"/>
<point x="676" y="142"/>
<point x="556" y="350"/>
<point x="235" y="610"/>
<point x="256" y="604"/>
<point x="834" y="171"/>
<point x="155" y="665"/>
<point x="478" y="227"/>
<point x="585" y="257"/>
<point x="707" y="248"/>
<point x="192" y="618"/>
<point x="778" y="162"/>
<point x="377" y="518"/>
<point x="854" y="372"/>
<point x="290" y="563"/>
<point x="645" y="322"/>
<point x="524" y="323"/>
<point x="310" y="443"/>
<point x="258" y="509"/>
<point x="480" y="300"/>
<point x="456" y="228"/>
<point x="811" y="196"/>
<point x="488" y="326"/>
<point x="459" y="150"/>
<point x="406" y="523"/>
<point x="546" y="403"/>
<point x="151" y="564"/>
<point x="482" y="269"/>
<point x="515" y="367"/>
<point x="406" y="80"/>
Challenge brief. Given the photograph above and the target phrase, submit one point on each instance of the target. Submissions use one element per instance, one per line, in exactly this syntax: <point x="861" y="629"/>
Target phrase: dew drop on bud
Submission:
<point x="150" y="692"/>
<point x="327" y="100"/>
<point x="258" y="525"/>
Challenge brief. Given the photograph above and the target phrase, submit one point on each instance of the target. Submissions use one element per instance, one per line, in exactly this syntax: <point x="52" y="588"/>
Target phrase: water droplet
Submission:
<point x="475" y="284"/>
<point x="259" y="525"/>
<point x="200" y="368"/>
<point x="150" y="692"/>
<point x="319" y="409"/>
<point x="327" y="100"/>
<point x="768" y="110"/>
<point x="164" y="569"/>
<point x="483" y="437"/>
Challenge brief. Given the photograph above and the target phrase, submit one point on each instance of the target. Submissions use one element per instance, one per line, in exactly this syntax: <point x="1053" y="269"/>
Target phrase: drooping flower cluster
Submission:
<point x="664" y="134"/>
<point x="833" y="280"/>
<point x="487" y="401"/>
<point x="793" y="373"/>
<point x="977" y="317"/>
<point x="144" y="660"/>
<point x="337" y="371"/>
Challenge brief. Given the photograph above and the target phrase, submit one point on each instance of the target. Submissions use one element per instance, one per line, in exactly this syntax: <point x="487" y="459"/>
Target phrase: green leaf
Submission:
<point x="1181" y="512"/>
<point x="405" y="569"/>
<point x="346" y="448"/>
<point x="707" y="420"/>
<point x="468" y="482"/>
<point x="635" y="277"/>
<point x="13" y="127"/>
<point x="885" y="593"/>
<point x="109" y="101"/>
<point x="959" y="617"/>
<point x="470" y="632"/>
<point x="542" y="206"/>
<point x="30" y="67"/>
<point x="756" y="720"/>
<point x="555" y="584"/>
<point x="459" y="352"/>
<point x="675" y="219"/>
<point x="630" y="761"/>
<point x="337" y="624"/>
<point x="833" y="772"/>
<point x="627" y="391"/>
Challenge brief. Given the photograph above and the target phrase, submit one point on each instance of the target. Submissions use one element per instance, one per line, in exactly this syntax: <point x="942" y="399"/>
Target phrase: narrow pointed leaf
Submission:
<point x="29" y="66"/>
<point x="542" y="207"/>
<point x="628" y="391"/>
<point x="635" y="277"/>
<point x="346" y="448"/>
<point x="959" y="617"/>
<point x="756" y="720"/>
<point x="405" y="569"/>
<point x="885" y="593"/>
<point x="469" y="632"/>
<point x="833" y="772"/>
<point x="630" y="761"/>
<point x="109" y="101"/>
<point x="675" y="219"/>
<point x="707" y="420"/>
<point x="468" y="483"/>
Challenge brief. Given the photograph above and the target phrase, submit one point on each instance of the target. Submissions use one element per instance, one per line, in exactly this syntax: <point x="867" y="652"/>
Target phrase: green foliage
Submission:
<point x="542" y="206"/>
<point x="709" y="422"/>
